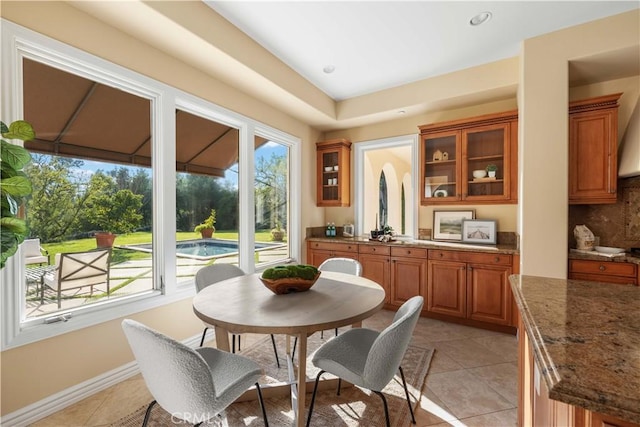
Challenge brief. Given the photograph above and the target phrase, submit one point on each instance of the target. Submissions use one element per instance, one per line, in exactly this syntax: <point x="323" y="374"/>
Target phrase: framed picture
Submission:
<point x="481" y="231"/>
<point x="447" y="225"/>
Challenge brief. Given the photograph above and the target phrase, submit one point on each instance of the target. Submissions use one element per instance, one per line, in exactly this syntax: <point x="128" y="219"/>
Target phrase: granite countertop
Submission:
<point x="586" y="341"/>
<point x="594" y="256"/>
<point x="426" y="244"/>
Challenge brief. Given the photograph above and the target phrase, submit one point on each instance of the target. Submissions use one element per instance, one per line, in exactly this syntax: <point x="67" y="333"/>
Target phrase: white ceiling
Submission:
<point x="383" y="44"/>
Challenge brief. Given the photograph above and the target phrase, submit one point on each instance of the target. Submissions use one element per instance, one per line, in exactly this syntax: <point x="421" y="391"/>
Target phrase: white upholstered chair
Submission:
<point x="341" y="265"/>
<point x="216" y="273"/>
<point x="34" y="253"/>
<point x="192" y="385"/>
<point x="368" y="358"/>
<point x="77" y="270"/>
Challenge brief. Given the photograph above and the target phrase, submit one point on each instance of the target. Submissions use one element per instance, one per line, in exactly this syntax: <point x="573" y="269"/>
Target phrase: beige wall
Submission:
<point x="33" y="372"/>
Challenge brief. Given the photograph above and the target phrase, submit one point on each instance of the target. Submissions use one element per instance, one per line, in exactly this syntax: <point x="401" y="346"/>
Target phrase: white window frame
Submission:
<point x="18" y="43"/>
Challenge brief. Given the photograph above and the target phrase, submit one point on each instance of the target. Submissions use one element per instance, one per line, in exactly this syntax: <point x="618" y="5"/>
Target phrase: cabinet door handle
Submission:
<point x="441" y="254"/>
<point x="373" y="250"/>
<point x="602" y="268"/>
<point x="497" y="259"/>
<point x="408" y="252"/>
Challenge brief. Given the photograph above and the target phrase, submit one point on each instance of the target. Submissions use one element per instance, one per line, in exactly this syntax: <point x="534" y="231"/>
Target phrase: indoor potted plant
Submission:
<point x="491" y="170"/>
<point x="207" y="228"/>
<point x="14" y="185"/>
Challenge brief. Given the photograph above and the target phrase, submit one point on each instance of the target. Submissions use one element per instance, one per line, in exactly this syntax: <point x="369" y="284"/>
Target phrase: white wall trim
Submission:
<point x="65" y="398"/>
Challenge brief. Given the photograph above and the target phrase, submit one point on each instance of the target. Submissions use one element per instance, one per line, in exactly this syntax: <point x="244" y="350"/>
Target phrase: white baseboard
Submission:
<point x="57" y="402"/>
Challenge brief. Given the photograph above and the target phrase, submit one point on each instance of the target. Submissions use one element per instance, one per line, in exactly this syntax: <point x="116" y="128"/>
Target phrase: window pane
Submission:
<point x="87" y="136"/>
<point x="271" y="201"/>
<point x="207" y="182"/>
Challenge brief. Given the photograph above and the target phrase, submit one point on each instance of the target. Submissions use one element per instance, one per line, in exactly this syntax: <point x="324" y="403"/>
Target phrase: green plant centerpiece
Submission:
<point x="15" y="187"/>
<point x="285" y="279"/>
<point x="207" y="227"/>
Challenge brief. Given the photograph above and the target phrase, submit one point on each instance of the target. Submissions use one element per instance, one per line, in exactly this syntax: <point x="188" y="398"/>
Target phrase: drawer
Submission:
<point x="472" y="257"/>
<point x="331" y="246"/>
<point x="409" y="252"/>
<point x="374" y="249"/>
<point x="623" y="280"/>
<point x="602" y="267"/>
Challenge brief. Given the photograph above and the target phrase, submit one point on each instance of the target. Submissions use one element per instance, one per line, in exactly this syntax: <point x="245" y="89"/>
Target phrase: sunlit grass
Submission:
<point x="120" y="255"/>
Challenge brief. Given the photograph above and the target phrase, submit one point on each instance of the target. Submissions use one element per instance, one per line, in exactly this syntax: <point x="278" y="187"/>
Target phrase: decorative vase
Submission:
<point x="492" y="174"/>
<point x="288" y="285"/>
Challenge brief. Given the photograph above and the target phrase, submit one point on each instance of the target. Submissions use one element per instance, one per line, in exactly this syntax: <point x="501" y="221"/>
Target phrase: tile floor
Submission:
<point x="472" y="381"/>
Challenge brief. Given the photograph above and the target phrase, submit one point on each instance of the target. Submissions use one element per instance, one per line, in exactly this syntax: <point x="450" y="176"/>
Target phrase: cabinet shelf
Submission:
<point x="442" y="162"/>
<point x="487" y="181"/>
<point x="330" y="154"/>
<point x="488" y="157"/>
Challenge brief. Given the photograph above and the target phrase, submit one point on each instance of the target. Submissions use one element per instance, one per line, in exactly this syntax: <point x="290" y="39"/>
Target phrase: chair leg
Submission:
<point x="233" y="343"/>
<point x="293" y="353"/>
<point x="321" y="335"/>
<point x="147" y="414"/>
<point x="386" y="408"/>
<point x="336" y="331"/>
<point x="239" y="342"/>
<point x="264" y="411"/>
<point x="406" y="392"/>
<point x="204" y="333"/>
<point x="275" y="349"/>
<point x="313" y="397"/>
<point x="339" y="385"/>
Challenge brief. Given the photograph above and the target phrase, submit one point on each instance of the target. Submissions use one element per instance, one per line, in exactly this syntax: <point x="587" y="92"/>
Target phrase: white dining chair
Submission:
<point x="341" y="265"/>
<point x="214" y="273"/>
<point x="368" y="358"/>
<point x="191" y="385"/>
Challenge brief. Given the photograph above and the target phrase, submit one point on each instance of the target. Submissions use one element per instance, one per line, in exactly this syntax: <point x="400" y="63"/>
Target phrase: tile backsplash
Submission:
<point x="618" y="224"/>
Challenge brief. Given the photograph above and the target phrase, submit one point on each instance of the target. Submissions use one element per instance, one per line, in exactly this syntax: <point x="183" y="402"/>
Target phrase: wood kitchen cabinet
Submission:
<point x="408" y="274"/>
<point x="470" y="285"/>
<point x="376" y="266"/>
<point x="333" y="180"/>
<point x="603" y="271"/>
<point x="451" y="151"/>
<point x="318" y="252"/>
<point x="593" y="150"/>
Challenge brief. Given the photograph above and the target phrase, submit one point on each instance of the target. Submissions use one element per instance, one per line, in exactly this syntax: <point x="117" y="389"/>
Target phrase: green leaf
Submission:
<point x="14" y="225"/>
<point x="3" y="128"/>
<point x="16" y="186"/>
<point x="14" y="155"/>
<point x="20" y="130"/>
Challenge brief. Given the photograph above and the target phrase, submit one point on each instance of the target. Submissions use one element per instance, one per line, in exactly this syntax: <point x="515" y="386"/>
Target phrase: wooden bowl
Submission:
<point x="289" y="285"/>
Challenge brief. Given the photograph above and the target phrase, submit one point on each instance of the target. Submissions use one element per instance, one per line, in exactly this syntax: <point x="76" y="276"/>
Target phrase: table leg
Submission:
<point x="302" y="379"/>
<point x="222" y="339"/>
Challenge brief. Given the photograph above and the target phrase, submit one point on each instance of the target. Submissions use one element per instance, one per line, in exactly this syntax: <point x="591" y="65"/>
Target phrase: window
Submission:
<point x="134" y="142"/>
<point x="383" y="200"/>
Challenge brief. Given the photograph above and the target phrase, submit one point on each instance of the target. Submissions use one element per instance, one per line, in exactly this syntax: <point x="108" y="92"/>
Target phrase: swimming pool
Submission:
<point x="205" y="248"/>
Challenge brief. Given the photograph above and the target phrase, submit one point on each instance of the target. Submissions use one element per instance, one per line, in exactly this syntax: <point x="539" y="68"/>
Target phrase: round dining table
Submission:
<point x="244" y="305"/>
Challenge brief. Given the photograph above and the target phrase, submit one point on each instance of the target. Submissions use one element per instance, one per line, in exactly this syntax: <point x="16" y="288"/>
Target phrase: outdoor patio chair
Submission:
<point x="77" y="270"/>
<point x="34" y="253"/>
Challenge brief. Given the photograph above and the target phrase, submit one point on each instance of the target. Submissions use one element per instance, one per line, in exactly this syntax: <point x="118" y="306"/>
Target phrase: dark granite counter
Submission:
<point x="586" y="341"/>
<point x="428" y="244"/>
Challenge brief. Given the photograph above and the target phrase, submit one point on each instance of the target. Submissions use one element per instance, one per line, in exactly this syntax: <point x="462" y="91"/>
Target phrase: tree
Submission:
<point x="58" y="198"/>
<point x="271" y="190"/>
<point x="110" y="209"/>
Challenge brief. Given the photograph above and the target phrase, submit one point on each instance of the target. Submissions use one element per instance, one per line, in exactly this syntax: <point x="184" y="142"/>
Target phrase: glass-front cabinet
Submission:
<point x="470" y="161"/>
<point x="333" y="172"/>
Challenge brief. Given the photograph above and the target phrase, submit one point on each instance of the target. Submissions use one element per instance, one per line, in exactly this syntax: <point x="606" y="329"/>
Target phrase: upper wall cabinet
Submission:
<point x="333" y="173"/>
<point x="593" y="150"/>
<point x="457" y="157"/>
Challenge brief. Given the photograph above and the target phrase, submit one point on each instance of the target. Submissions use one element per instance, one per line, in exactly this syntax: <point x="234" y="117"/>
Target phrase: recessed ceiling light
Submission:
<point x="328" y="69"/>
<point x="480" y="18"/>
<point x="402" y="112"/>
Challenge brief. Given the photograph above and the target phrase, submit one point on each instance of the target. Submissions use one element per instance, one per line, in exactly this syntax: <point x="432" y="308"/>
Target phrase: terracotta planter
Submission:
<point x="277" y="236"/>
<point x="105" y="240"/>
<point x="207" y="233"/>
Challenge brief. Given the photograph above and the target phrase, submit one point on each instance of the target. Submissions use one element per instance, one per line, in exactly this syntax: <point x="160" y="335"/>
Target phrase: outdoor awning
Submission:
<point x="76" y="117"/>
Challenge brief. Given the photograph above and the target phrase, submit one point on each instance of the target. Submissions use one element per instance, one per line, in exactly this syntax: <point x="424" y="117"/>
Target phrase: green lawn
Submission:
<point x="120" y="255"/>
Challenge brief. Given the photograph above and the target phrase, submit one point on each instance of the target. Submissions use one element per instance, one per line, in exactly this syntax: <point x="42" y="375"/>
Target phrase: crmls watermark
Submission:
<point x="191" y="419"/>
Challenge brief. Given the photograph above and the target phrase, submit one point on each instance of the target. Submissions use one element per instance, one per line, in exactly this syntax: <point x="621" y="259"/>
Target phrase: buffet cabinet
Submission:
<point x="450" y="153"/>
<point x="333" y="180"/>
<point x="465" y="287"/>
<point x="593" y="150"/>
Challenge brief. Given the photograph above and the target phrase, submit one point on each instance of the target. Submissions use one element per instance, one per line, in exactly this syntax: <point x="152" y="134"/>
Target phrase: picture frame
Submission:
<point x="447" y="224"/>
<point x="482" y="231"/>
